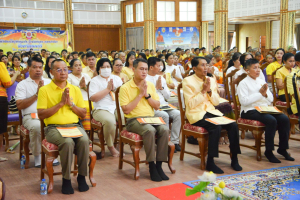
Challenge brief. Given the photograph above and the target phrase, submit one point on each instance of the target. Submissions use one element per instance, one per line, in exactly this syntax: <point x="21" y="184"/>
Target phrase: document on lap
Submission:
<point x="151" y="120"/>
<point x="173" y="94"/>
<point x="222" y="100"/>
<point x="167" y="107"/>
<point x="220" y="120"/>
<point x="268" y="109"/>
<point x="71" y="132"/>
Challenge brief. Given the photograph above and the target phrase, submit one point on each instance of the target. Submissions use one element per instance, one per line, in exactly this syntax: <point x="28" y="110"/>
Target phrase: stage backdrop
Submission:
<point x="173" y="37"/>
<point x="24" y="40"/>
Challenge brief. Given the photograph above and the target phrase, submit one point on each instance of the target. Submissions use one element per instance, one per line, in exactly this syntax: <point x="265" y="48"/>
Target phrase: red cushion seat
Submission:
<point x="131" y="136"/>
<point x="197" y="129"/>
<point x="49" y="146"/>
<point x="280" y="103"/>
<point x="24" y="130"/>
<point x="250" y="122"/>
<point x="294" y="116"/>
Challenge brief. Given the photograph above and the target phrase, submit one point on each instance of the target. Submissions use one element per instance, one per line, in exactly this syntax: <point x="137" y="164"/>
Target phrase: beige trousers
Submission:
<point x="34" y="126"/>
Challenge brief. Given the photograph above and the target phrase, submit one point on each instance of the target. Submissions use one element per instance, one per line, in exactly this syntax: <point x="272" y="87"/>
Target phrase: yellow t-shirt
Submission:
<point x="128" y="72"/>
<point x="129" y="91"/>
<point x="5" y="80"/>
<point x="281" y="74"/>
<point x="122" y="76"/>
<point x="50" y="95"/>
<point x="272" y="67"/>
<point x="82" y="65"/>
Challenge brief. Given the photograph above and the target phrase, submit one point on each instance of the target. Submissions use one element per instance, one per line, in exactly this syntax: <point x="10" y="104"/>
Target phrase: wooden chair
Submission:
<point x="197" y="132"/>
<point x="293" y="118"/>
<point x="257" y="128"/>
<point x="24" y="142"/>
<point x="262" y="67"/>
<point x="276" y="102"/>
<point x="226" y="85"/>
<point x="98" y="128"/>
<point x="135" y="142"/>
<point x="13" y="120"/>
<point x="2" y="189"/>
<point x="50" y="152"/>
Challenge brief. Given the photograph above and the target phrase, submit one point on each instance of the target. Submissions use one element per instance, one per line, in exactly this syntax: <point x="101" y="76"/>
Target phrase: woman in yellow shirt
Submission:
<point x="128" y="69"/>
<point x="16" y="66"/>
<point x="276" y="64"/>
<point x="9" y="56"/>
<point x="289" y="63"/>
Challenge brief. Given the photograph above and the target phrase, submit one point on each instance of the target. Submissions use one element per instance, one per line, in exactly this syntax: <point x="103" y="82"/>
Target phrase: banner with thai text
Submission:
<point x="24" y="40"/>
<point x="173" y="37"/>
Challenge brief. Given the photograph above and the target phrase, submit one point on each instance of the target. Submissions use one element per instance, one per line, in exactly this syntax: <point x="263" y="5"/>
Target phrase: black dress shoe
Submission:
<point x="177" y="147"/>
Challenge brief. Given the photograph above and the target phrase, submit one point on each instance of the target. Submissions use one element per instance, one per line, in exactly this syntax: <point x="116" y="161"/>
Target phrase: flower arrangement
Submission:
<point x="219" y="192"/>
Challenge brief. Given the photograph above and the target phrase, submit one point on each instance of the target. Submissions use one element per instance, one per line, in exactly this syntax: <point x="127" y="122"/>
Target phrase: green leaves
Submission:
<point x="198" y="188"/>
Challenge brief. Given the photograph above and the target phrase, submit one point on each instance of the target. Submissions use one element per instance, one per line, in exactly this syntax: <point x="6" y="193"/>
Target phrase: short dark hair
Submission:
<point x="279" y="49"/>
<point x="163" y="51"/>
<point x="286" y="56"/>
<point x="196" y="49"/>
<point x="297" y="57"/>
<point x="116" y="60"/>
<point x="131" y="53"/>
<point x="143" y="55"/>
<point x="55" y="61"/>
<point x="168" y="55"/>
<point x="74" y="52"/>
<point x="90" y="54"/>
<point x="88" y="49"/>
<point x="47" y="67"/>
<point x="152" y="61"/>
<point x="250" y="62"/>
<point x="72" y="62"/>
<point x="177" y="49"/>
<point x="43" y="50"/>
<point x="195" y="61"/>
<point x="160" y="56"/>
<point x="147" y="50"/>
<point x="137" y="61"/>
<point x="82" y="56"/>
<point x="132" y="48"/>
<point x="36" y="59"/>
<point x="64" y="50"/>
<point x="242" y="58"/>
<point x="101" y="62"/>
<point x="1" y="50"/>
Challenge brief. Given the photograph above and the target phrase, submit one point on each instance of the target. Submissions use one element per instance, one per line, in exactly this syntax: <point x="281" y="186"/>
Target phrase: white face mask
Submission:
<point x="105" y="72"/>
<point x="161" y="68"/>
<point x="25" y="59"/>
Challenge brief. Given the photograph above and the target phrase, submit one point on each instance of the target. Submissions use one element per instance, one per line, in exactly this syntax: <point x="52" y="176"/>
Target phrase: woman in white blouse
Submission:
<point x="101" y="92"/>
<point x="253" y="91"/>
<point x="173" y="70"/>
<point x="81" y="80"/>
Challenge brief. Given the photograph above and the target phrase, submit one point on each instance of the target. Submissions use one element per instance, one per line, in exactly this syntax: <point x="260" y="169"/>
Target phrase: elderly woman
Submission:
<point x="117" y="70"/>
<point x="253" y="91"/>
<point x="101" y="92"/>
<point x="81" y="80"/>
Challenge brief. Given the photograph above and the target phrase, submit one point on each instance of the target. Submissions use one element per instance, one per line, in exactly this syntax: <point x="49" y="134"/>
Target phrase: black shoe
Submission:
<point x="177" y="147"/>
<point x="175" y="151"/>
<point x="56" y="164"/>
<point x="285" y="154"/>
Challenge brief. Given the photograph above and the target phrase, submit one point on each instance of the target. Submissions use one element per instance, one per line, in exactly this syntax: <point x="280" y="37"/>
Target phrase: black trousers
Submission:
<point x="214" y="133"/>
<point x="272" y="123"/>
<point x="282" y="97"/>
<point x="3" y="114"/>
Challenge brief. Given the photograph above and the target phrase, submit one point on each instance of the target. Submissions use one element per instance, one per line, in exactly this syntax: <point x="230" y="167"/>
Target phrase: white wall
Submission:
<point x="275" y="34"/>
<point x="86" y="17"/>
<point x="208" y="10"/>
<point x="97" y="1"/>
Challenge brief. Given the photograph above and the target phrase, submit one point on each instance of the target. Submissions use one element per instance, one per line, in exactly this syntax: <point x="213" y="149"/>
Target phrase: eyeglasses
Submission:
<point x="61" y="70"/>
<point x="119" y="65"/>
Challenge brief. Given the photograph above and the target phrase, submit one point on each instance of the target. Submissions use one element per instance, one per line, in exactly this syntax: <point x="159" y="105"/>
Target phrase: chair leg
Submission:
<point x="21" y="147"/>
<point x="6" y="135"/>
<point x="293" y="131"/>
<point x="183" y="138"/>
<point x="1" y="141"/>
<point x="257" y="136"/>
<point x="202" y="148"/>
<point x="101" y="138"/>
<point x="43" y="164"/>
<point x="75" y="166"/>
<point x="92" y="136"/>
<point x="136" y="157"/>
<point x="49" y="165"/>
<point x="170" y="156"/>
<point x="26" y="151"/>
<point x="121" y="150"/>
<point x="243" y="134"/>
<point x="92" y="163"/>
<point x="116" y="137"/>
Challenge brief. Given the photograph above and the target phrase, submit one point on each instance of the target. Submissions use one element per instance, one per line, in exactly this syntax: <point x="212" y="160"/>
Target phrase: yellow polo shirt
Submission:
<point x="129" y="72"/>
<point x="290" y="90"/>
<point x="129" y="91"/>
<point x="272" y="67"/>
<point x="201" y="54"/>
<point x="281" y="74"/>
<point x="196" y="103"/>
<point x="82" y="65"/>
<point x="122" y="75"/>
<point x="50" y="95"/>
<point x="88" y="71"/>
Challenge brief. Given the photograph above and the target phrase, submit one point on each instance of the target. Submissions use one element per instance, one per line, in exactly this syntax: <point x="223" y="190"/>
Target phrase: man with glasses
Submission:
<point x="117" y="70"/>
<point x="60" y="104"/>
<point x="91" y="62"/>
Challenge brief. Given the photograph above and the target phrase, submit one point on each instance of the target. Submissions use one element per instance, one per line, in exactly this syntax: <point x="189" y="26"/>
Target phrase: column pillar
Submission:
<point x="149" y="34"/>
<point x="122" y="30"/>
<point x="268" y="36"/>
<point x="204" y="35"/>
<point x="69" y="20"/>
<point x="221" y="24"/>
<point x="287" y="25"/>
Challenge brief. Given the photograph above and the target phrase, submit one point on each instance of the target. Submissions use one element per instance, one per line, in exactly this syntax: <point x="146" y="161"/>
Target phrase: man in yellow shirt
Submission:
<point x="138" y="98"/>
<point x="69" y="48"/>
<point x="202" y="52"/>
<point x="91" y="62"/>
<point x="60" y="104"/>
<point x="147" y="53"/>
<point x="201" y="97"/>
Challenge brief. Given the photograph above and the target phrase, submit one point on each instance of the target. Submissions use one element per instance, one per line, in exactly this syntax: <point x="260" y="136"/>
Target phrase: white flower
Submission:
<point x="208" y="177"/>
<point x="230" y="193"/>
<point x="208" y="196"/>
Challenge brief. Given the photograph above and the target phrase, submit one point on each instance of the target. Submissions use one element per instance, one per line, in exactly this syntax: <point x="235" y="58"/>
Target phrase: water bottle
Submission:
<point x="23" y="162"/>
<point x="43" y="187"/>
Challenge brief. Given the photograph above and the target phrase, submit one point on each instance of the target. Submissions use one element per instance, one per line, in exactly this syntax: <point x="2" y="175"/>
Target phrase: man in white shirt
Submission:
<point x="26" y="99"/>
<point x="164" y="94"/>
<point x="91" y="62"/>
<point x="101" y="92"/>
<point x="122" y="57"/>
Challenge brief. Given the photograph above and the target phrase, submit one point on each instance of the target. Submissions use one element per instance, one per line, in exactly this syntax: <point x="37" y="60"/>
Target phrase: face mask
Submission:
<point x="105" y="72"/>
<point x="25" y="59"/>
<point x="164" y="60"/>
<point x="161" y="68"/>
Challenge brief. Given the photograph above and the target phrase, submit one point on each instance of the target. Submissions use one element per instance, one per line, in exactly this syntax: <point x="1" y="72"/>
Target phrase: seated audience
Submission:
<point x="46" y="72"/>
<point x="173" y="70"/>
<point x="290" y="86"/>
<point x="276" y="64"/>
<point x="117" y="70"/>
<point x="101" y="92"/>
<point x="128" y="69"/>
<point x="201" y="97"/>
<point x="91" y="62"/>
<point x="138" y="98"/>
<point x="60" y="104"/>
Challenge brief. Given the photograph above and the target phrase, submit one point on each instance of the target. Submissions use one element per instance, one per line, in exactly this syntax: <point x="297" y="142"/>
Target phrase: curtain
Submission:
<point x="135" y="38"/>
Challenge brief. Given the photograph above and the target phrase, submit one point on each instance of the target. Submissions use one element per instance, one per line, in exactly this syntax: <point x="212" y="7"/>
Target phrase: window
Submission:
<point x="139" y="12"/>
<point x="165" y="11"/>
<point x="96" y="7"/>
<point x="187" y="11"/>
<point x="129" y="13"/>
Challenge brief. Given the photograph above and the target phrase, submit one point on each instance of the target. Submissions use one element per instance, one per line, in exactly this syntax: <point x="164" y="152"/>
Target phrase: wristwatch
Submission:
<point x="209" y="91"/>
<point x="73" y="104"/>
<point x="148" y="97"/>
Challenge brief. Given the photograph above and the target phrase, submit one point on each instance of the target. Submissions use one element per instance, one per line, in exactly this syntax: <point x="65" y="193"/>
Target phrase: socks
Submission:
<point x="211" y="166"/>
<point x="235" y="163"/>
<point x="285" y="154"/>
<point x="160" y="171"/>
<point x="153" y="172"/>
<point x="269" y="154"/>
<point x="37" y="161"/>
<point x="82" y="186"/>
<point x="67" y="187"/>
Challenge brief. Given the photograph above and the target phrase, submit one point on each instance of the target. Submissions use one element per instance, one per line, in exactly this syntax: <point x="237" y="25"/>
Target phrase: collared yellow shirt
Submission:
<point x="82" y="65"/>
<point x="290" y="89"/>
<point x="196" y="103"/>
<point x="281" y="74"/>
<point x="129" y="91"/>
<point x="122" y="76"/>
<point x="88" y="71"/>
<point x="129" y="72"/>
<point x="50" y="95"/>
<point x="272" y="67"/>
